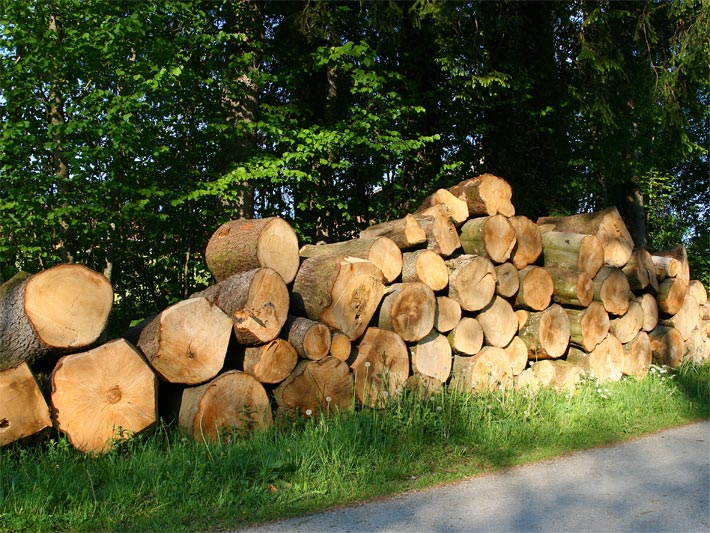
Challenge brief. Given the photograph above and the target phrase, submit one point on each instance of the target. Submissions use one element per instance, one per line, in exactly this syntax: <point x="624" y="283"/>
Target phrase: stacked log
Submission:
<point x="461" y="293"/>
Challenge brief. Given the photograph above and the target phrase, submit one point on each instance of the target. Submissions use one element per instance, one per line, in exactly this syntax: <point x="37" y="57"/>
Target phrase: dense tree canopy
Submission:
<point x="132" y="129"/>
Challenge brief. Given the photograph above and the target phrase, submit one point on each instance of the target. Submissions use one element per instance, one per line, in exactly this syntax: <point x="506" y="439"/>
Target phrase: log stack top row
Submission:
<point x="461" y="292"/>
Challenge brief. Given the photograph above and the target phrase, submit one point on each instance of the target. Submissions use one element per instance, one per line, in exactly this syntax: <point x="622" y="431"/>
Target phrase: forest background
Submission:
<point x="130" y="130"/>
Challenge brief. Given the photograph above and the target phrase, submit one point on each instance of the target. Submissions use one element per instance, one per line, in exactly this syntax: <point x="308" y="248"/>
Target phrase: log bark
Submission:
<point x="517" y="352"/>
<point x="485" y="195"/>
<point x="23" y="410"/>
<point x="448" y="314"/>
<point x="697" y="289"/>
<point x="456" y="207"/>
<point x="310" y="338"/>
<point x="627" y="326"/>
<point x="467" y="337"/>
<point x="317" y="387"/>
<point x="409" y="310"/>
<point x="611" y="288"/>
<point x="342" y="292"/>
<point x="571" y="287"/>
<point x="670" y="295"/>
<point x="340" y="345"/>
<point x="498" y="322"/>
<point x="607" y="225"/>
<point x="528" y="242"/>
<point x="271" y="362"/>
<point x="589" y="326"/>
<point x="487" y="370"/>
<point x="536" y="288"/>
<point x="244" y="245"/>
<point x="257" y="302"/>
<point x="186" y="343"/>
<point x="686" y="319"/>
<point x="650" y="311"/>
<point x="666" y="346"/>
<point x="641" y="270"/>
<point x="405" y="232"/>
<point x="103" y="395"/>
<point x="381" y="366"/>
<point x="637" y="356"/>
<point x="493" y="237"/>
<point x="382" y="252"/>
<point x="472" y="281"/>
<point x="507" y="280"/>
<point x="425" y="266"/>
<point x="546" y="333"/>
<point x="431" y="356"/>
<point x="606" y="360"/>
<point x="440" y="231"/>
<point x="572" y="251"/>
<point x="233" y="404"/>
<point x="59" y="310"/>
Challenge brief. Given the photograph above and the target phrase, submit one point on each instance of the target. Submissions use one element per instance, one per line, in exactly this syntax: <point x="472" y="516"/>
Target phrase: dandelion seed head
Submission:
<point x="309" y="412"/>
<point x="367" y="364"/>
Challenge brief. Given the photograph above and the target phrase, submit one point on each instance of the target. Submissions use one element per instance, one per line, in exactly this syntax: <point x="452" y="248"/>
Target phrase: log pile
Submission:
<point x="462" y="293"/>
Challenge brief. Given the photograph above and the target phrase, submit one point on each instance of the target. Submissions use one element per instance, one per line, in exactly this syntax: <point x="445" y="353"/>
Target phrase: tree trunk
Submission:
<point x="472" y="281"/>
<point x="637" y="356"/>
<point x="487" y="370"/>
<point x="670" y="295"/>
<point x="381" y="366"/>
<point x="467" y="337"/>
<point x="317" y="387"/>
<point x="271" y="362"/>
<point x="507" y="280"/>
<point x="607" y="225"/>
<point x="441" y="233"/>
<point x="641" y="271"/>
<point x="493" y="237"/>
<point x="498" y="322"/>
<point x="572" y="251"/>
<point x="310" y="338"/>
<point x="61" y="309"/>
<point x="611" y="288"/>
<point x="536" y="288"/>
<point x="686" y="319"/>
<point x="342" y="292"/>
<point x="627" y="326"/>
<point x="103" y="395"/>
<point x="457" y="208"/>
<point x="409" y="310"/>
<point x="186" y="343"/>
<point x="243" y="245"/>
<point x="425" y="266"/>
<point x="24" y="412"/>
<point x="666" y="346"/>
<point x="232" y="404"/>
<point x="405" y="232"/>
<point x="528" y="242"/>
<point x="448" y="314"/>
<point x="257" y="301"/>
<point x="431" y="356"/>
<point x="485" y="195"/>
<point x="546" y="333"/>
<point x="650" y="311"/>
<point x="571" y="287"/>
<point x="588" y="327"/>
<point x="382" y="252"/>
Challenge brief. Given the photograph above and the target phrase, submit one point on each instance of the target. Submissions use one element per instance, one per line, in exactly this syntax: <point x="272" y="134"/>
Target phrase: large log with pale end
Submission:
<point x="679" y="254"/>
<point x="607" y="225"/>
<point x="487" y="370"/>
<point x="185" y="343"/>
<point x="641" y="270"/>
<point x="605" y="362"/>
<point x="456" y="207"/>
<point x="342" y="292"/>
<point x="340" y="345"/>
<point x="310" y="338"/>
<point x="246" y="244"/>
<point x="317" y="387"/>
<point x="382" y="252"/>
<point x="528" y="242"/>
<point x="697" y="289"/>
<point x="408" y="309"/>
<point x="441" y="234"/>
<point x="670" y="295"/>
<point x="493" y="237"/>
<point x="486" y="194"/>
<point x="104" y="395"/>
<point x="557" y="374"/>
<point x="650" y="311"/>
<point x="472" y="281"/>
<point x="637" y="356"/>
<point x="23" y="410"/>
<point x="572" y="251"/>
<point x="536" y="288"/>
<point x="666" y="267"/>
<point x="611" y="288"/>
<point x="233" y="404"/>
<point x="666" y="346"/>
<point x="588" y="326"/>
<point x="380" y="365"/>
<point x="257" y="301"/>
<point x="426" y="266"/>
<point x="571" y="287"/>
<point x="626" y="326"/>
<point x="448" y="314"/>
<point x="59" y="310"/>
<point x="431" y="356"/>
<point x="507" y="280"/>
<point x="272" y="362"/>
<point x="517" y="352"/>
<point x="546" y="333"/>
<point x="686" y="319"/>
<point x="498" y="322"/>
<point x="467" y="337"/>
<point x="405" y="232"/>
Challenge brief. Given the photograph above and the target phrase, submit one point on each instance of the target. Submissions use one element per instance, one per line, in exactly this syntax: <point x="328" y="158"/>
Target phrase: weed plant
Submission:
<point x="168" y="482"/>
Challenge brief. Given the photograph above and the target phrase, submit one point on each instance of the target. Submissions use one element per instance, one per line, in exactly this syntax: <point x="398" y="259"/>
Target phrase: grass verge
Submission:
<point x="167" y="482"/>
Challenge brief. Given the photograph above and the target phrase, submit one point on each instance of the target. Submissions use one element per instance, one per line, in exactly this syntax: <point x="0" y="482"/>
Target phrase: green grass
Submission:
<point x="166" y="482"/>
